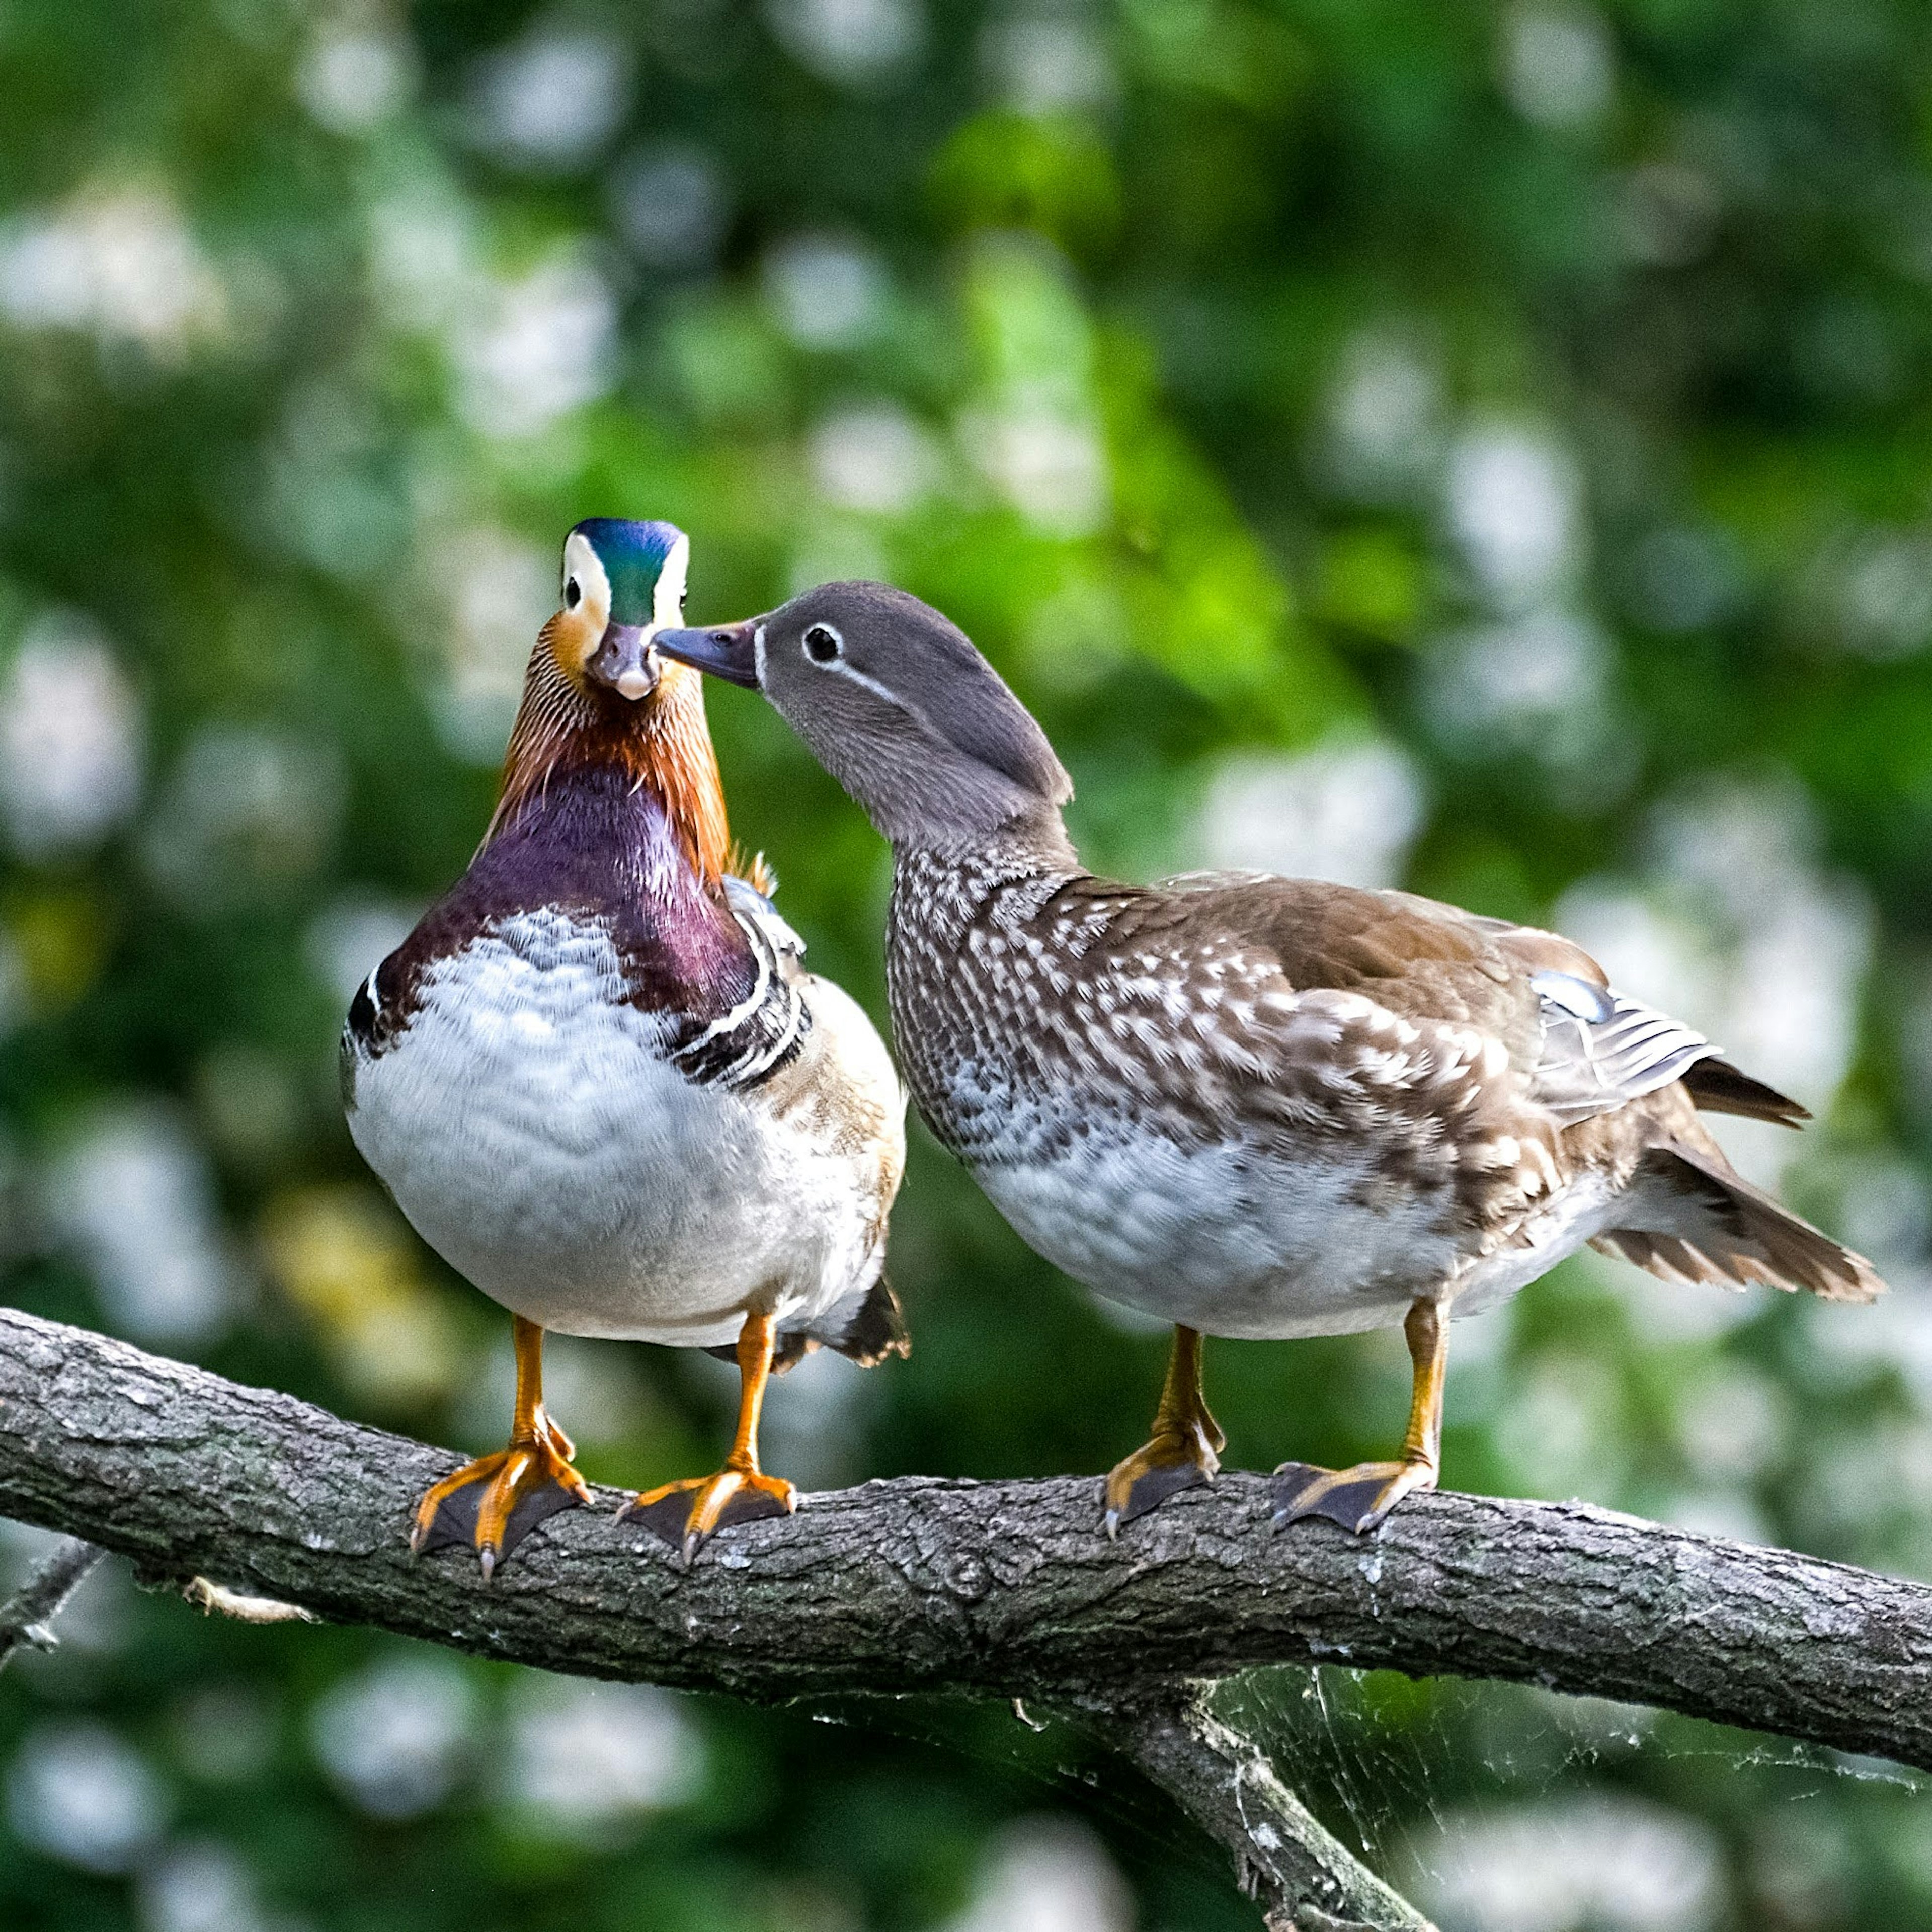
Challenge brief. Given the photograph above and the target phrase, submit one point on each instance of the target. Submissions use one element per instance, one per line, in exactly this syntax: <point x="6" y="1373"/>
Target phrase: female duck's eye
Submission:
<point x="822" y="644"/>
<point x="572" y="594"/>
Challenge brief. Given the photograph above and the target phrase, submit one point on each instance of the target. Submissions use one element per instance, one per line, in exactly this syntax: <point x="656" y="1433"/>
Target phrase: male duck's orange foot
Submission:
<point x="494" y="1502"/>
<point x="1173" y="1461"/>
<point x="1357" y="1498"/>
<point x="716" y="1502"/>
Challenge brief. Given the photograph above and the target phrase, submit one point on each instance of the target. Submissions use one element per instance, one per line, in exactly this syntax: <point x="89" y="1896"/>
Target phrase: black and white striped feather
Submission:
<point x="764" y="1031"/>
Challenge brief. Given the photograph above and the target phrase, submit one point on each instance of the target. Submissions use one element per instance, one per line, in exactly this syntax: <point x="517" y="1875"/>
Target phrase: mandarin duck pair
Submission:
<point x="598" y="1081"/>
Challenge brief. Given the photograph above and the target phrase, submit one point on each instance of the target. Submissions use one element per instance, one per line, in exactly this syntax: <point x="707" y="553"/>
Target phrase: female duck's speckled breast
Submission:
<point x="1028" y="1066"/>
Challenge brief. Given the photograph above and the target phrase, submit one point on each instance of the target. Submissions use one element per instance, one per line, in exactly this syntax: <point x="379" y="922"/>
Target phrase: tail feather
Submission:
<point x="1716" y="1087"/>
<point x="867" y="1327"/>
<point x="1689" y="1217"/>
<point x="876" y="1329"/>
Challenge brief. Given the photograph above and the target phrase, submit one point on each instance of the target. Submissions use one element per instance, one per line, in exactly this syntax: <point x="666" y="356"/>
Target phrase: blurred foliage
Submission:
<point x="1481" y="447"/>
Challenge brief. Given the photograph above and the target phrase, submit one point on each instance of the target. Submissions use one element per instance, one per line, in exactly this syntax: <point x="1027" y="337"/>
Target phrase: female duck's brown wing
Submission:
<point x="1581" y="1048"/>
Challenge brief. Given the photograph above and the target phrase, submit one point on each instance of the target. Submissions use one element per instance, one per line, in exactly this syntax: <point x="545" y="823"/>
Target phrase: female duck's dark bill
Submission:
<point x="729" y="651"/>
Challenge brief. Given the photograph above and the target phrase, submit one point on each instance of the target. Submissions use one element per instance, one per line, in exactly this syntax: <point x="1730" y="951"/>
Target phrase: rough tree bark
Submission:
<point x="989" y="1589"/>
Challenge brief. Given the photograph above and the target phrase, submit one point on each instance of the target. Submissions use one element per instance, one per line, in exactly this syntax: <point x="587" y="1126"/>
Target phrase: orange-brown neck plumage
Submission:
<point x="661" y="740"/>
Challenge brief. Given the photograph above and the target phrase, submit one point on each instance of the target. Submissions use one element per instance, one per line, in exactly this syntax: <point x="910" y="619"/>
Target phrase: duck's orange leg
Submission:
<point x="1184" y="1451"/>
<point x="1359" y="1498"/>
<point x="740" y="1492"/>
<point x="497" y="1500"/>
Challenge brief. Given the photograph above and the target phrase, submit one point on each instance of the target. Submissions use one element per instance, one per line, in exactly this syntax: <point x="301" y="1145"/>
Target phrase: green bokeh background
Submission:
<point x="1481" y="448"/>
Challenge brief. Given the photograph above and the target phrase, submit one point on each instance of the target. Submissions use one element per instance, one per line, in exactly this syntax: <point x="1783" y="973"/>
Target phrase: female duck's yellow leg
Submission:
<point x="1183" y="1451"/>
<point x="740" y="1492"/>
<point x="1358" y="1499"/>
<point x="520" y="1486"/>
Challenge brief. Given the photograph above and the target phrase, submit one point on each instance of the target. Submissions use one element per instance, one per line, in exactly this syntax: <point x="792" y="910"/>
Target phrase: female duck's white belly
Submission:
<point x="1230" y="1240"/>
<point x="1244" y="1241"/>
<point x="1261" y="1237"/>
<point x="529" y="1125"/>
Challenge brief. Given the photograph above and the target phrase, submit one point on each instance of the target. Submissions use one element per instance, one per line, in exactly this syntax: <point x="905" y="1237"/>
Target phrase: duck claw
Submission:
<point x="1139" y="1483"/>
<point x="455" y="1519"/>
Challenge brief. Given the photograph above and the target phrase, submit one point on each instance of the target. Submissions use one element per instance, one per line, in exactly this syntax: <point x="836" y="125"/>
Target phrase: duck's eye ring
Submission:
<point x="822" y="644"/>
<point x="573" y="595"/>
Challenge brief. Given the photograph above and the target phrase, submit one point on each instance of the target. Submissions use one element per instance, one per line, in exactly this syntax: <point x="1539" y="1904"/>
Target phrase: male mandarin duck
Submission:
<point x="1254" y="1106"/>
<point x="599" y="1083"/>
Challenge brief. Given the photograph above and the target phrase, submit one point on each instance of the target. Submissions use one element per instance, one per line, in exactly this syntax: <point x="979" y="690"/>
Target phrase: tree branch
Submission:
<point x="1308" y="1879"/>
<point x="994" y="1588"/>
<point x="27" y="1616"/>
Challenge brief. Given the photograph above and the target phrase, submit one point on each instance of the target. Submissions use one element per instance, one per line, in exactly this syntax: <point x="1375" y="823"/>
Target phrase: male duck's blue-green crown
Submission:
<point x="643" y="566"/>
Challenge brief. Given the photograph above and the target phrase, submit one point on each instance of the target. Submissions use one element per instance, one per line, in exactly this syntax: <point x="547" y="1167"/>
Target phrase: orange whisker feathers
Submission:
<point x="662" y="740"/>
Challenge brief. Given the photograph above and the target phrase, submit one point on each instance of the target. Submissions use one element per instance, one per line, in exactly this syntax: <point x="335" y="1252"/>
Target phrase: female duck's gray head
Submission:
<point x="897" y="705"/>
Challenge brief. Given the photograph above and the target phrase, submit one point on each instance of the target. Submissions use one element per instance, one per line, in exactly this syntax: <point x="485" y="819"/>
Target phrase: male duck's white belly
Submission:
<point x="528" y="1125"/>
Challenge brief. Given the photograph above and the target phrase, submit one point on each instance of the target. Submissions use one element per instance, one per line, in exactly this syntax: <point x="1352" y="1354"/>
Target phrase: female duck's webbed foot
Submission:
<point x="738" y="1493"/>
<point x="1359" y="1498"/>
<point x="495" y="1501"/>
<point x="1182" y="1452"/>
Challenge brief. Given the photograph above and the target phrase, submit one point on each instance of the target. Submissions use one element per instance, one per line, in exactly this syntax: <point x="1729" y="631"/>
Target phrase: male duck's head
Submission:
<point x="598" y="697"/>
<point x="623" y="582"/>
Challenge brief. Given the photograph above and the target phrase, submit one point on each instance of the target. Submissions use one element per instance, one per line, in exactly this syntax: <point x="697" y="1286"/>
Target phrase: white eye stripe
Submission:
<point x="845" y="668"/>
<point x="581" y="561"/>
<point x="667" y="596"/>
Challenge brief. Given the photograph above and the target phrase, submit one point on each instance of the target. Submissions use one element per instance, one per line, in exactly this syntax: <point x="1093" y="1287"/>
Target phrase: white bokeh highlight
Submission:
<point x="354" y="75"/>
<point x="120" y="264"/>
<point x="398" y="1739"/>
<point x="1048" y="1874"/>
<point x="77" y="1791"/>
<point x="1514" y="507"/>
<point x="855" y="44"/>
<point x="1347" y="810"/>
<point x="133" y="1196"/>
<point x="1601" y="1859"/>
<point x="71" y="740"/>
<point x="552" y="100"/>
<point x="873" y="457"/>
<point x="1558" y="65"/>
<point x="536" y="347"/>
<point x="827" y="291"/>
<point x="589" y="1761"/>
<point x="499" y="588"/>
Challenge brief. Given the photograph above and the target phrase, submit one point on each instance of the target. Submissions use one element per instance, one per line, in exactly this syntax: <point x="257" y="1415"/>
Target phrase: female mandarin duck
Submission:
<point x="599" y="1082"/>
<point x="1254" y="1106"/>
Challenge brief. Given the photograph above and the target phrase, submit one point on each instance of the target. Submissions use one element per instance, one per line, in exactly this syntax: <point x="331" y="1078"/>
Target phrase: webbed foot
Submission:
<point x="1175" y="1460"/>
<point x="1358" y="1498"/>
<point x="495" y="1501"/>
<point x="1183" y="1453"/>
<point x="733" y="1495"/>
